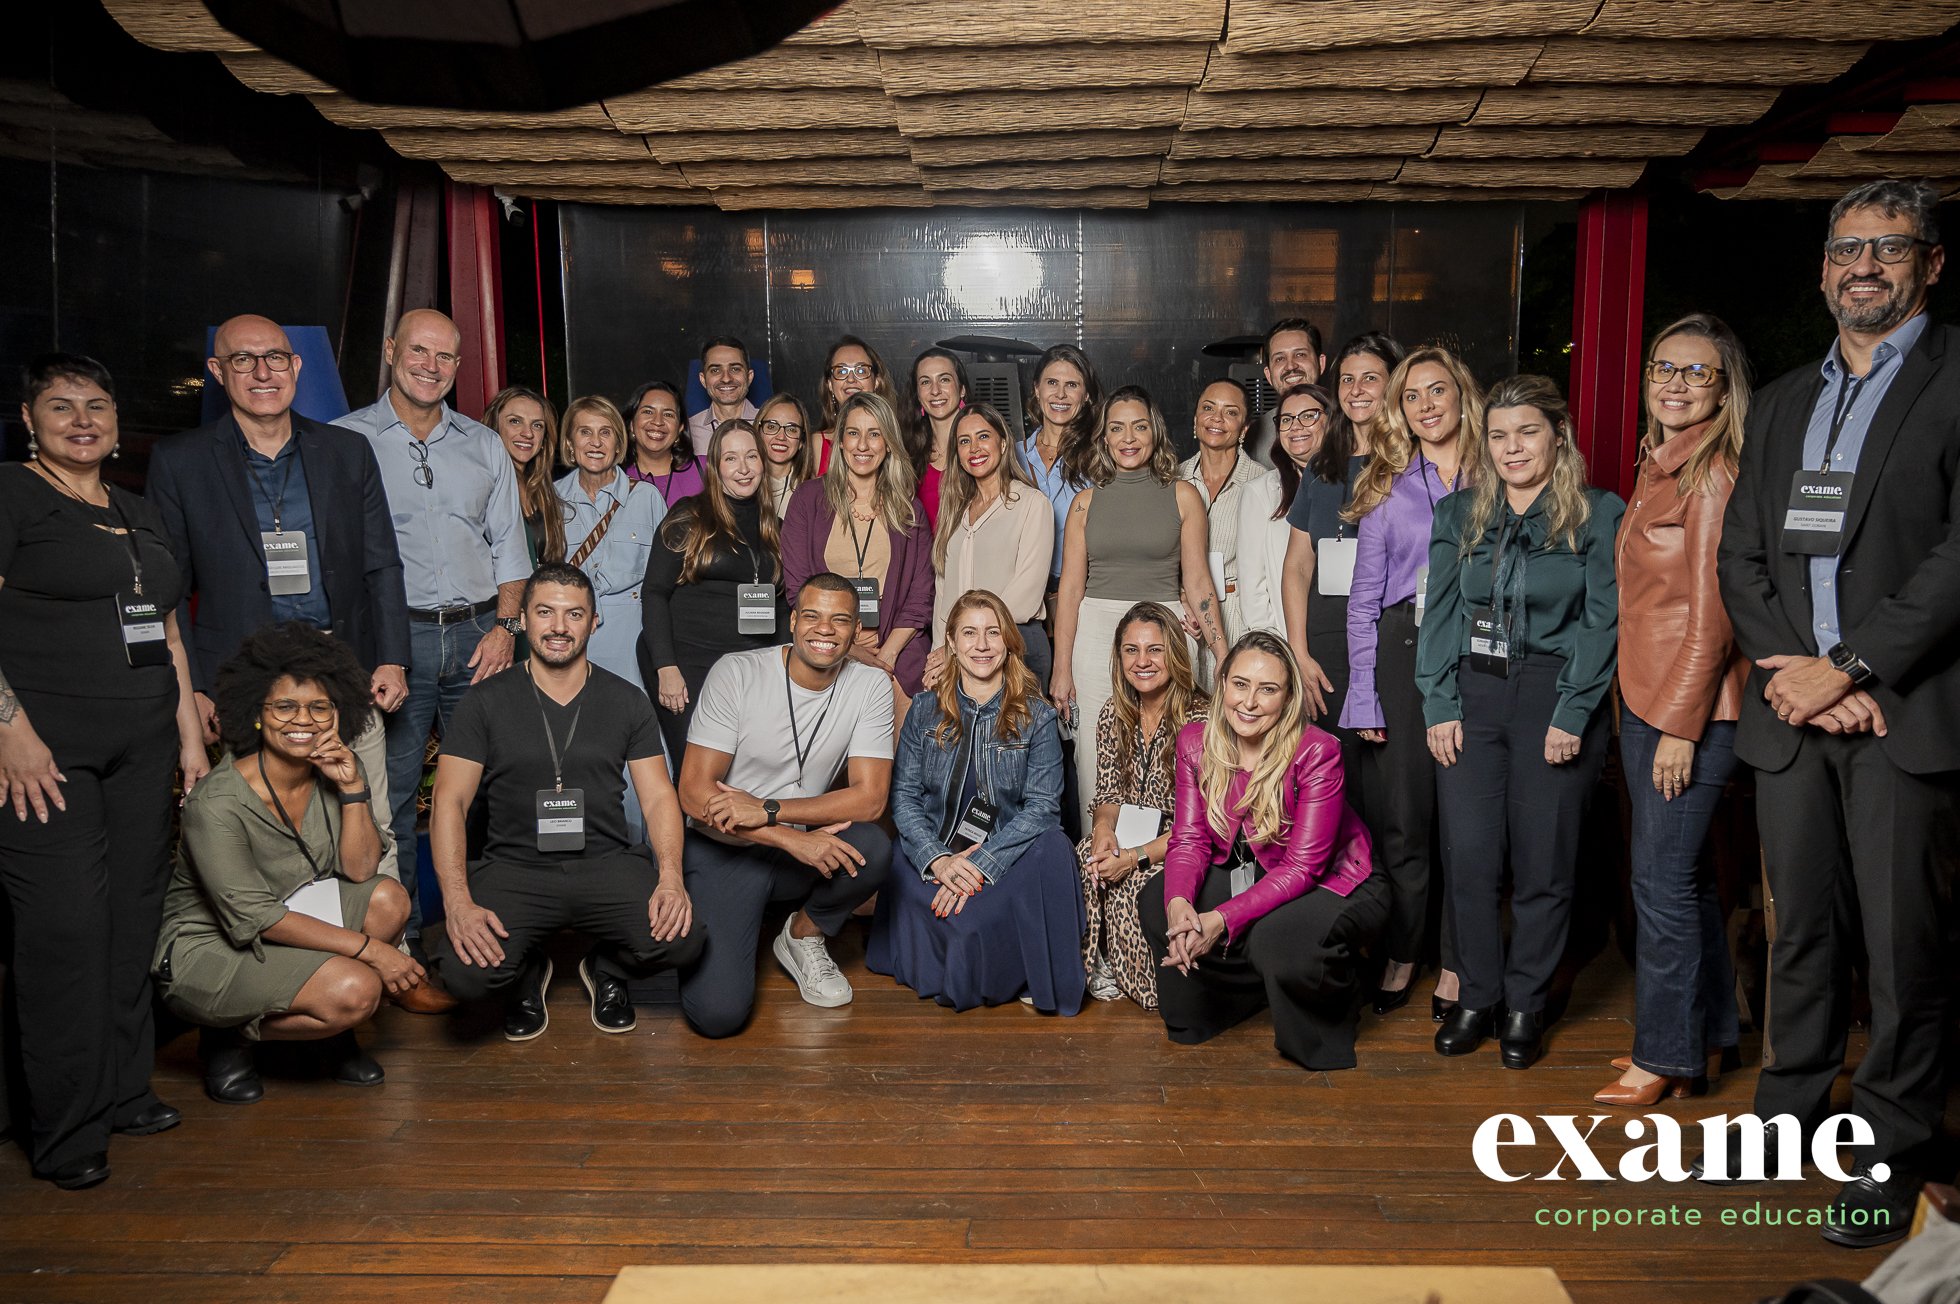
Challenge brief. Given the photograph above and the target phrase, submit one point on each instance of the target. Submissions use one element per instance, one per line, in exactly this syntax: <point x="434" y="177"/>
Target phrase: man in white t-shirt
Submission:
<point x="772" y="730"/>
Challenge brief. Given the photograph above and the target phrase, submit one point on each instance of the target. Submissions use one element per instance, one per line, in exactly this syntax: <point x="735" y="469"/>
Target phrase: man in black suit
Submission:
<point x="1840" y="565"/>
<point x="276" y="517"/>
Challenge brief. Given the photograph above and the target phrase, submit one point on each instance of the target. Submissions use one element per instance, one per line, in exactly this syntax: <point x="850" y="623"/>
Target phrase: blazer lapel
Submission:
<point x="228" y="452"/>
<point x="1780" y="466"/>
<point x="1915" y="370"/>
<point x="316" y="460"/>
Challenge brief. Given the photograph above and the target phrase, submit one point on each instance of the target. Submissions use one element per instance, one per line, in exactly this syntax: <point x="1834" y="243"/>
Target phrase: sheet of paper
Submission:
<point x="1136" y="825"/>
<point x="320" y="900"/>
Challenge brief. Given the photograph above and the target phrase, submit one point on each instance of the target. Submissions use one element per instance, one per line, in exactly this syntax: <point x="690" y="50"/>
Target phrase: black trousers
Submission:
<point x="1857" y="848"/>
<point x="1397" y="793"/>
<point x="1502" y="802"/>
<point x="86" y="891"/>
<point x="1298" y="959"/>
<point x="605" y="896"/>
<point x="732" y="887"/>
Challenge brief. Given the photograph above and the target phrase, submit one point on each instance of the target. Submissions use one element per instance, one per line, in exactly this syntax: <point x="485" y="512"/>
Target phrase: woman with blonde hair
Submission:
<point x="1153" y="694"/>
<point x="1137" y="534"/>
<point x="1425" y="435"/>
<point x="1514" y="661"/>
<point x="862" y="520"/>
<point x="1681" y="684"/>
<point x="1269" y="893"/>
<point x="981" y="905"/>
<point x="527" y="423"/>
<point x="789" y="447"/>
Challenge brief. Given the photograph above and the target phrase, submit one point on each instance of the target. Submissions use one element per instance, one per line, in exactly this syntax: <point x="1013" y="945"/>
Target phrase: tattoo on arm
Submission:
<point x="9" y="704"/>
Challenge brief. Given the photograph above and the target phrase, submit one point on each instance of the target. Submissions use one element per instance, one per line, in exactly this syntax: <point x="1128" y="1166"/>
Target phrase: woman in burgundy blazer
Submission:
<point x="1269" y="890"/>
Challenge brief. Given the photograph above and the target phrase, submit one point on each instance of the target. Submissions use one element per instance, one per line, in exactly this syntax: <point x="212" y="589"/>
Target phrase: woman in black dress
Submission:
<point x="96" y="716"/>
<point x="712" y="550"/>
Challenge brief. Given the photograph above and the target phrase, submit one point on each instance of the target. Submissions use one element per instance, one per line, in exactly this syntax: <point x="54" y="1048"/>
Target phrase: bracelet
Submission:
<point x="364" y="946"/>
<point x="355" y="798"/>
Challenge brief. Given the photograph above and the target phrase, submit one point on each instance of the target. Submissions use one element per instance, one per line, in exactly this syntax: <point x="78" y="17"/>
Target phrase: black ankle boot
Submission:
<point x="1521" y="1038"/>
<point x="347" y="1063"/>
<point x="1465" y="1030"/>
<point x="230" y="1076"/>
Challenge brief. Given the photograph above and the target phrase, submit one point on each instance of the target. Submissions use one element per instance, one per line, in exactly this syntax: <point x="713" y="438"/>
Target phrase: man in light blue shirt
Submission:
<point x="453" y="496"/>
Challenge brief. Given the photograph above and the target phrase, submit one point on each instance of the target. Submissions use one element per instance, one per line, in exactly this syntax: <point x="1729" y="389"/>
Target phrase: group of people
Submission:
<point x="1338" y="689"/>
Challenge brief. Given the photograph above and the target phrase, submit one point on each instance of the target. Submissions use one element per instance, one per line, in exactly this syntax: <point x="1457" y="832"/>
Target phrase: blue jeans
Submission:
<point x="1684" y="987"/>
<point x="437" y="681"/>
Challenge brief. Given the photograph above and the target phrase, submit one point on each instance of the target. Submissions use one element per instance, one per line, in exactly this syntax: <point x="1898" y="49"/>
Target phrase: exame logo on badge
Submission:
<point x="1663" y="1157"/>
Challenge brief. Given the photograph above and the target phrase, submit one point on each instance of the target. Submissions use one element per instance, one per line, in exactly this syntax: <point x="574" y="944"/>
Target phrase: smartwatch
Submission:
<point x="355" y="798"/>
<point x="1844" y="659"/>
<point x="509" y="624"/>
<point x="770" y="808"/>
<point x="1143" y="860"/>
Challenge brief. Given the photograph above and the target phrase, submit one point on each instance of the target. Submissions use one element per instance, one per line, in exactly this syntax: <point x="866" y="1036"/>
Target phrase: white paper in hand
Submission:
<point x="320" y="900"/>
<point x="1136" y="825"/>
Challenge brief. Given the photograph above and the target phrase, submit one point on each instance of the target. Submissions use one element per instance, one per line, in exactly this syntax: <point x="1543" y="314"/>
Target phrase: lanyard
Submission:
<point x="551" y="739"/>
<point x="127" y="535"/>
<point x="1841" y="411"/>
<point x="1223" y="487"/>
<point x="292" y="829"/>
<point x="279" y="503"/>
<point x="850" y="523"/>
<point x="795" y="737"/>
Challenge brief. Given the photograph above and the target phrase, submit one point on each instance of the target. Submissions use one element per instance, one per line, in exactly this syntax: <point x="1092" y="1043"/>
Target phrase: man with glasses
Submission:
<point x="276" y="517"/>
<point x="1840" y="565"/>
<point x="460" y="531"/>
<point x="1292" y="355"/>
<point x="725" y="376"/>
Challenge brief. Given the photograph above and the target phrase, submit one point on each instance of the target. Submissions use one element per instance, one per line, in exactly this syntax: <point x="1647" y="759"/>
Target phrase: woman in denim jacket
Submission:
<point x="982" y="905"/>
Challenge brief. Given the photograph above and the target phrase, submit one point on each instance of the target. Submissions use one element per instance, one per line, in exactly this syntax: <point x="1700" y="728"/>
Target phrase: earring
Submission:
<point x="33" y="446"/>
<point x="116" y="451"/>
<point x="255" y="726"/>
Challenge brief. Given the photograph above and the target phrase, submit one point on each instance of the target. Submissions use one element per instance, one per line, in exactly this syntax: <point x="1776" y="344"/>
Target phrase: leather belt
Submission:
<point x="452" y="615"/>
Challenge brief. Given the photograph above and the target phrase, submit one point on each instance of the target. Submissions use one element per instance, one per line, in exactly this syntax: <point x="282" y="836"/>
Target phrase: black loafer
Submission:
<point x="89" y="1170"/>
<point x="612" y="1006"/>
<point x="348" y="1064"/>
<point x="526" y="1016"/>
<point x="1440" y="1009"/>
<point x="230" y="1076"/>
<point x="1465" y="1030"/>
<point x="159" y="1117"/>
<point x="1867" y="1212"/>
<point x="1732" y="1165"/>
<point x="1520" y="1038"/>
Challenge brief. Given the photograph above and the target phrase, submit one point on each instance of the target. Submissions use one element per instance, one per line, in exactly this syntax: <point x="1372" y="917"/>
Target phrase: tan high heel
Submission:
<point x="1618" y="1093"/>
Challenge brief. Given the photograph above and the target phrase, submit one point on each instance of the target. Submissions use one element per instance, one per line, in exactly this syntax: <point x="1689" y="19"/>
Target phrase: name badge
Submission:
<point x="755" y="608"/>
<point x="1422" y="592"/>
<point x="977" y="821"/>
<point x="142" y="631"/>
<point x="867" y="591"/>
<point x="286" y="571"/>
<point x="1333" y="566"/>
<point x="561" y="819"/>
<point x="1490" y="644"/>
<point x="1813" y="525"/>
<point x="1244" y="875"/>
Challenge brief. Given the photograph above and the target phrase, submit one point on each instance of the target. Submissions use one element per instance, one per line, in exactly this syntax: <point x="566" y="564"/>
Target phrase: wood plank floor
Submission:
<point x="888" y="1131"/>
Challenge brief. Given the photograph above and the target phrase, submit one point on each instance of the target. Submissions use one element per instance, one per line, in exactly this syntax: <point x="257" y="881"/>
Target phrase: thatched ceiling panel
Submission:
<point x="872" y="171"/>
<point x="903" y="24"/>
<point x="1043" y="111"/>
<point x="1439" y="63"/>
<point x="1074" y="175"/>
<point x="695" y="111"/>
<point x="699" y="147"/>
<point x="1753" y="63"/>
<point x="177" y="25"/>
<point x="353" y="113"/>
<point x="1529" y="106"/>
<point x="1116" y="197"/>
<point x="1327" y="108"/>
<point x="954" y="70"/>
<point x="516" y="146"/>
<point x="1565" y="142"/>
<point x="1282" y="169"/>
<point x="1311" y="141"/>
<point x="274" y="76"/>
<point x="1261" y="192"/>
<point x="1037" y="147"/>
<point x="1568" y="174"/>
<point x="795" y="198"/>
<point x="788" y="67"/>
<point x="1271" y="25"/>
<point x="647" y="174"/>
<point x="1744" y="19"/>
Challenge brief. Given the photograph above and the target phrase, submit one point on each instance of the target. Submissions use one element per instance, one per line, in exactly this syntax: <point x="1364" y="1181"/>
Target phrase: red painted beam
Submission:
<point x="1609" y="296"/>
<point x="476" y="294"/>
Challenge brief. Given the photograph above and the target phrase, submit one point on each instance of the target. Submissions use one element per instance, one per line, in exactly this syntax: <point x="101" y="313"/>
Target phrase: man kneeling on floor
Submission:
<point x="771" y="732"/>
<point x="552" y="737"/>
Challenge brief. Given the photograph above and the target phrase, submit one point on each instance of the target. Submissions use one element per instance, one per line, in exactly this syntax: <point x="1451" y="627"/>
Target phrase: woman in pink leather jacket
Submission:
<point x="1269" y="891"/>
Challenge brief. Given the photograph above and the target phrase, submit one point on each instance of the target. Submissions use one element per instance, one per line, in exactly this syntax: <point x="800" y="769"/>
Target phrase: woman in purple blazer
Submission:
<point x="862" y="520"/>
<point x="1269" y="892"/>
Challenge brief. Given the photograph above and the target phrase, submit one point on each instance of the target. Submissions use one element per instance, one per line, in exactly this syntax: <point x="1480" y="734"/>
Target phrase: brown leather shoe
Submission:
<point x="424" y="998"/>
<point x="1619" y="1093"/>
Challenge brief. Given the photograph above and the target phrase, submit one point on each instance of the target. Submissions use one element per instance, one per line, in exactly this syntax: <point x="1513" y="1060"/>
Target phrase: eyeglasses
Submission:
<point x="851" y="371"/>
<point x="274" y="360"/>
<point x="425" y="475"/>
<point x="1698" y="374"/>
<point x="286" y="710"/>
<point x="782" y="428"/>
<point x="1304" y="420"/>
<point x="1846" y="250"/>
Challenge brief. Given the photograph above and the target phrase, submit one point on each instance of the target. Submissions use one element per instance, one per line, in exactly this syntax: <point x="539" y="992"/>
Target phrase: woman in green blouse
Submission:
<point x="276" y="926"/>
<point x="1513" y="660"/>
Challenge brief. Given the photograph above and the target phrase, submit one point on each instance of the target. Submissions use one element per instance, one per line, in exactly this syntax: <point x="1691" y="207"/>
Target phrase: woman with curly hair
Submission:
<point x="277" y="926"/>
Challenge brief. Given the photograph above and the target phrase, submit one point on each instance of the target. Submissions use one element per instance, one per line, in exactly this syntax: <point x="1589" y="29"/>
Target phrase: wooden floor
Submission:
<point x="888" y="1131"/>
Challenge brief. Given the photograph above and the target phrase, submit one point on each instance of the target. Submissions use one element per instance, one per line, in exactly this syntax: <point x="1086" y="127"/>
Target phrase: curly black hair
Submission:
<point x="297" y="649"/>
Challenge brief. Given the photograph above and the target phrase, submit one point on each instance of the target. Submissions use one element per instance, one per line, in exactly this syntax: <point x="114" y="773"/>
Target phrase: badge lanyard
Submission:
<point x="279" y="503"/>
<point x="127" y="535"/>
<point x="795" y="737"/>
<point x="1847" y="399"/>
<point x="862" y="549"/>
<point x="292" y="829"/>
<point x="551" y="739"/>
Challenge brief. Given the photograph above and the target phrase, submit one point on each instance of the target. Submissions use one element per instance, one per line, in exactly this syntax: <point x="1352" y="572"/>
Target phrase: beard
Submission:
<point x="1881" y="315"/>
<point x="558" y="659"/>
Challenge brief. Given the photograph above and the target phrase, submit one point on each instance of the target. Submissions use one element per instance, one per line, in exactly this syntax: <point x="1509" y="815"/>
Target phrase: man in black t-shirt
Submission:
<point x="550" y="738"/>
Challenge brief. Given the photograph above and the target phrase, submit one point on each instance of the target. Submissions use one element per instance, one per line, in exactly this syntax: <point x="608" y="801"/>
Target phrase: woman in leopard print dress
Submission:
<point x="1152" y="697"/>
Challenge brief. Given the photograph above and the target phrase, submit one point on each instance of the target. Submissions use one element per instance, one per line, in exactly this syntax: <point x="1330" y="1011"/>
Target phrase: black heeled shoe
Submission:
<point x="230" y="1076"/>
<point x="1465" y="1030"/>
<point x="347" y="1063"/>
<point x="1521" y="1038"/>
<point x="1440" y="1009"/>
<point x="158" y="1117"/>
<point x="1387" y="1002"/>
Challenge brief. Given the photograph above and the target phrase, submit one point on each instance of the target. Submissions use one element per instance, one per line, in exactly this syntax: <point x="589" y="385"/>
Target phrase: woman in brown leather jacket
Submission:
<point x="1681" y="681"/>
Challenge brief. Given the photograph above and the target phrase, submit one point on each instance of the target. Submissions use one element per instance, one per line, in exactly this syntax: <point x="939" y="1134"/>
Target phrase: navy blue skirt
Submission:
<point x="1020" y="934"/>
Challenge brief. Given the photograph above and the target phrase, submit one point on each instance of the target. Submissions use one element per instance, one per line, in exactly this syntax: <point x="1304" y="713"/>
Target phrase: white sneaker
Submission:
<point x="808" y="961"/>
<point x="1102" y="981"/>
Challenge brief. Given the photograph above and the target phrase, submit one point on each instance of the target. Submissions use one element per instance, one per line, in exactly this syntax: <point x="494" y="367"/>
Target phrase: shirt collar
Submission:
<point x="569" y="488"/>
<point x="446" y="418"/>
<point x="1672" y="455"/>
<point x="1897" y="344"/>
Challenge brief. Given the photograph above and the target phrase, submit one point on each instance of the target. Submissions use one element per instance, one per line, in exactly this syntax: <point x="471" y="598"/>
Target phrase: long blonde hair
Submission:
<point x="1183" y="701"/>
<point x="1568" y="505"/>
<point x="1018" y="685"/>
<point x="958" y="488"/>
<point x="897" y="490"/>
<point x="1394" y="443"/>
<point x="1265" y="804"/>
<point x="1722" y="443"/>
<point x="700" y="528"/>
<point x="537" y="495"/>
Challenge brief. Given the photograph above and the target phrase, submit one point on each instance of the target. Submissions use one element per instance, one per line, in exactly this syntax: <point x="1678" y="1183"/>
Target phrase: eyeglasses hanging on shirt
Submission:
<point x="425" y="475"/>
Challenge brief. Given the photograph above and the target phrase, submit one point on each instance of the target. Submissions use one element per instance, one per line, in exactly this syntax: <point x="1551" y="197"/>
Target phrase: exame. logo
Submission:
<point x="1665" y="1156"/>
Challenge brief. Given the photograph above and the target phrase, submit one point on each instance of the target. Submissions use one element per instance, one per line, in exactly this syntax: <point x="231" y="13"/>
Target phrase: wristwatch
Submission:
<point x="355" y="798"/>
<point x="1843" y="658"/>
<point x="509" y="624"/>
<point x="1143" y="860"/>
<point x="769" y="808"/>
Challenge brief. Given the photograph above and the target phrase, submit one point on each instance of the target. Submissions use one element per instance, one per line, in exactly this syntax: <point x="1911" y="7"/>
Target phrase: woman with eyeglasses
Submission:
<point x="1299" y="427"/>
<point x="850" y="368"/>
<point x="1513" y="664"/>
<point x="1428" y="433"/>
<point x="96" y="718"/>
<point x="1681" y="684"/>
<point x="704" y="594"/>
<point x="277" y="926"/>
<point x="525" y="420"/>
<point x="661" y="454"/>
<point x="862" y="520"/>
<point x="938" y="396"/>
<point x="789" y="449"/>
